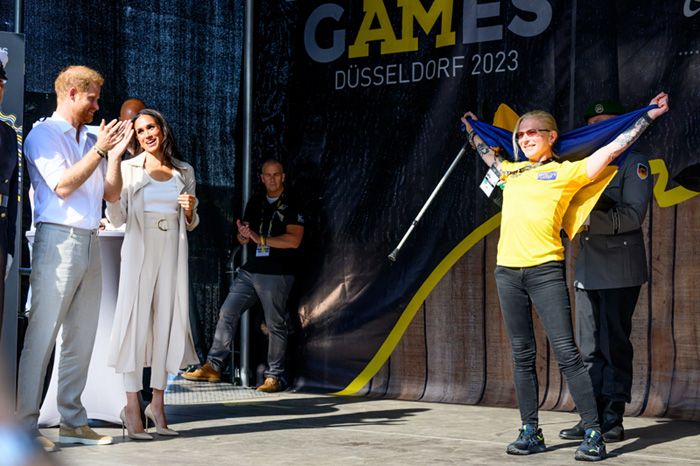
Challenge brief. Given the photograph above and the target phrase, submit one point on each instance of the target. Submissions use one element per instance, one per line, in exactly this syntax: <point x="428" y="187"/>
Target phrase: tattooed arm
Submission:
<point x="606" y="154"/>
<point x="485" y="152"/>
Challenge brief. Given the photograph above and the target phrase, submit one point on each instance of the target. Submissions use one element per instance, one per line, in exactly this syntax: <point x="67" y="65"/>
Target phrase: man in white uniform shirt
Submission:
<point x="71" y="172"/>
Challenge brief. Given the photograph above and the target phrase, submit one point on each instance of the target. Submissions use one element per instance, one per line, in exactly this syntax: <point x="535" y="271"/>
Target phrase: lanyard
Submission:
<point x="505" y="173"/>
<point x="272" y="216"/>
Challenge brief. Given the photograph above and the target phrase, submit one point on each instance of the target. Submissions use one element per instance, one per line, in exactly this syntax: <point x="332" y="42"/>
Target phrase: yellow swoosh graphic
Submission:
<point x="433" y="279"/>
<point x="673" y="196"/>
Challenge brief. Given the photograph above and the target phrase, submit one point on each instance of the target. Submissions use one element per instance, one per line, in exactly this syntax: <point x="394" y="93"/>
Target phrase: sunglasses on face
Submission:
<point x="530" y="133"/>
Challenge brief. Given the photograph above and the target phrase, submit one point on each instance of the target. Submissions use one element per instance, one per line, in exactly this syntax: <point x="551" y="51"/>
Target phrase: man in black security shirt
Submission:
<point x="271" y="230"/>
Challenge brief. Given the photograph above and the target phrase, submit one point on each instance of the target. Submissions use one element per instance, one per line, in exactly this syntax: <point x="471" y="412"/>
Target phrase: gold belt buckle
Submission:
<point x="163" y="224"/>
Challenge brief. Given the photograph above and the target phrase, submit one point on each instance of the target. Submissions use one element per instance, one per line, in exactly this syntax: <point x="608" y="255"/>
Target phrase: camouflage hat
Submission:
<point x="604" y="107"/>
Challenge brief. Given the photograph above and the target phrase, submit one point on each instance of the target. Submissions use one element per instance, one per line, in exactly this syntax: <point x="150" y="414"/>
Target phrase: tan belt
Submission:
<point x="162" y="222"/>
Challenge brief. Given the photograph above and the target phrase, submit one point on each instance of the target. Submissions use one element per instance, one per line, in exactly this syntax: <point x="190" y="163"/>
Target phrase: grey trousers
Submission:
<point x="247" y="289"/>
<point x="66" y="283"/>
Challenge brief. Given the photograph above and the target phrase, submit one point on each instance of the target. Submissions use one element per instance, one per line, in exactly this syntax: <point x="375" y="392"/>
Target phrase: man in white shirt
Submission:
<point x="71" y="172"/>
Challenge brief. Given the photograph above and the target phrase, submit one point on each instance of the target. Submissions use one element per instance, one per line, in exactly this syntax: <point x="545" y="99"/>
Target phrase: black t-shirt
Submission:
<point x="271" y="219"/>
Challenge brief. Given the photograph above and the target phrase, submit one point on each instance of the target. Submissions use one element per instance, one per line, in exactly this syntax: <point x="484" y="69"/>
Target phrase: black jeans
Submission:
<point x="545" y="286"/>
<point x="603" y="328"/>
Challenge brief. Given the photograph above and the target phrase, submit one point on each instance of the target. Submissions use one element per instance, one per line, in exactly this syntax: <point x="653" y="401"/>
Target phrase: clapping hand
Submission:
<point x="112" y="133"/>
<point x="124" y="138"/>
<point x="245" y="231"/>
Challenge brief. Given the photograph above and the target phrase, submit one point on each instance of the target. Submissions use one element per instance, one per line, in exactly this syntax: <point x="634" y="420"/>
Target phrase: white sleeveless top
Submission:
<point x="160" y="196"/>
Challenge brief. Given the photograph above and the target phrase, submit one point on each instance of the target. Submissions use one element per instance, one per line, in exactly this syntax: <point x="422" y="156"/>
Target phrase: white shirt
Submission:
<point x="160" y="196"/>
<point x="51" y="148"/>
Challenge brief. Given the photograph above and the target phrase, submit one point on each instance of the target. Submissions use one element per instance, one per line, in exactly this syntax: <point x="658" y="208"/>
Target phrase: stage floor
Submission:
<point x="222" y="424"/>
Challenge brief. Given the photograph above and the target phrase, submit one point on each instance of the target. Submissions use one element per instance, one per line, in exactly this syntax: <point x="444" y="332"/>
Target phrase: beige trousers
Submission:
<point x="155" y="301"/>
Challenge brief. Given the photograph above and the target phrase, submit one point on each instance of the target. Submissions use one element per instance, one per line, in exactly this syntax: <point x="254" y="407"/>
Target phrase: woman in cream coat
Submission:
<point x="151" y="322"/>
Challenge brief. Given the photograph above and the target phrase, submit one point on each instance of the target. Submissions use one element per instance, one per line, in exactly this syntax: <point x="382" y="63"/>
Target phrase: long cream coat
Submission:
<point x="129" y="209"/>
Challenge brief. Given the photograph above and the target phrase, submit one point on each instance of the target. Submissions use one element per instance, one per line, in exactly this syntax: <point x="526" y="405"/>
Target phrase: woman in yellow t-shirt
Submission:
<point x="530" y="262"/>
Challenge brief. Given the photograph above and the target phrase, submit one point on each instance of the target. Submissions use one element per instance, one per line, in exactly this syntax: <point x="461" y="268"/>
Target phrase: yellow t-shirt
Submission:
<point x="534" y="204"/>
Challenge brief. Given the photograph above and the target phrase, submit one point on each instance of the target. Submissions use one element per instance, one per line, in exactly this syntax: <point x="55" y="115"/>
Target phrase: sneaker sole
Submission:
<point x="516" y="451"/>
<point x="84" y="441"/>
<point x="580" y="456"/>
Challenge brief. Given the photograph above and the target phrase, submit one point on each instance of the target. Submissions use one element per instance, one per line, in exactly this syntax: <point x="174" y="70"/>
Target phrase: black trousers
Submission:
<point x="603" y="328"/>
<point x="3" y="266"/>
<point x="545" y="286"/>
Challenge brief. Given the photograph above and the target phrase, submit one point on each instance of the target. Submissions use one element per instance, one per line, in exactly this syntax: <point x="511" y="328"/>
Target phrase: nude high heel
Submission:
<point x="159" y="430"/>
<point x="130" y="434"/>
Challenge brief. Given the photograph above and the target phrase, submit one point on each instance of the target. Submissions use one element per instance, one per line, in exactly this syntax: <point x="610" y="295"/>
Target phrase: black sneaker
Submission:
<point x="574" y="433"/>
<point x="592" y="448"/>
<point x="530" y="440"/>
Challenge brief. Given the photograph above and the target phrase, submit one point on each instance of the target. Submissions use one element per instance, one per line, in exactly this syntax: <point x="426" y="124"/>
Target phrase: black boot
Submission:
<point x="574" y="433"/>
<point x="612" y="421"/>
<point x="614" y="434"/>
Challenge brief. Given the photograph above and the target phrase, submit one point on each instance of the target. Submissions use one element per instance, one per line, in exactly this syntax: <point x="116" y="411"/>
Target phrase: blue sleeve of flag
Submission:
<point x="572" y="145"/>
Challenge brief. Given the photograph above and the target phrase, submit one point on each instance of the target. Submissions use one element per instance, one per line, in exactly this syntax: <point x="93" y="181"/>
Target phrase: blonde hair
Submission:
<point x="543" y="117"/>
<point x="77" y="76"/>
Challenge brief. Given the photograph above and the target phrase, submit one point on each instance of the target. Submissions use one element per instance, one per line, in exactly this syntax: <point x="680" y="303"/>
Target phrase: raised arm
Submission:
<point x="74" y="176"/>
<point x="113" y="177"/>
<point x="601" y="158"/>
<point x="485" y="152"/>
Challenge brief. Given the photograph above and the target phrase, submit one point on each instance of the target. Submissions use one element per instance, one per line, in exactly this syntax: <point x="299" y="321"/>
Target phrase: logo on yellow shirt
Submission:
<point x="547" y="176"/>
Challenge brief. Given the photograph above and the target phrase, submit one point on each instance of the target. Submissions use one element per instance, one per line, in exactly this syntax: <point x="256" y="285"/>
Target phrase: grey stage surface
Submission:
<point x="221" y="424"/>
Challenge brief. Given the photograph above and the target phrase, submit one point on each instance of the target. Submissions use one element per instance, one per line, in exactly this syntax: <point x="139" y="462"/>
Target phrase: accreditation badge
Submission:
<point x="491" y="180"/>
<point x="262" y="251"/>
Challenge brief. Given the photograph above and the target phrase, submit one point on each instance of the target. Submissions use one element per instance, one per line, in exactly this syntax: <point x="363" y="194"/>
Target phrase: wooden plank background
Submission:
<point x="456" y="349"/>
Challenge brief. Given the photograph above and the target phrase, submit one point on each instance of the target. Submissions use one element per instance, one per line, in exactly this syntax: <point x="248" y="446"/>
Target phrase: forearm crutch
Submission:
<point x="395" y="252"/>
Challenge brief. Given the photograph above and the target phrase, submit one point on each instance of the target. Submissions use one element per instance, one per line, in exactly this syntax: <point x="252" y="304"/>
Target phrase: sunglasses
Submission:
<point x="529" y="133"/>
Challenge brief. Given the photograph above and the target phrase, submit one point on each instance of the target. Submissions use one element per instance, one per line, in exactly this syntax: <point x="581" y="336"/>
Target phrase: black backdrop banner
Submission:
<point x="364" y="109"/>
